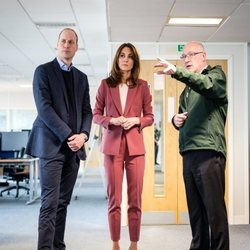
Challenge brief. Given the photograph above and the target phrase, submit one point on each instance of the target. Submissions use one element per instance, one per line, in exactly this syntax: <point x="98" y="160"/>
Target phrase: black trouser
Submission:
<point x="57" y="177"/>
<point x="204" y="177"/>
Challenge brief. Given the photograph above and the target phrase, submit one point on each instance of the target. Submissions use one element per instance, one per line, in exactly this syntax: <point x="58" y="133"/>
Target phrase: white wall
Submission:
<point x="238" y="56"/>
<point x="13" y="99"/>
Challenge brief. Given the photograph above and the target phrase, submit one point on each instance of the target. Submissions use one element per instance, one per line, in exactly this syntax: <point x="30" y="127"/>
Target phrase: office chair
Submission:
<point x="17" y="173"/>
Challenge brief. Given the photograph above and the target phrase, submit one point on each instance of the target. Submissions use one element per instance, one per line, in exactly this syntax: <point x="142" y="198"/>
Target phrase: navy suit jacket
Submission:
<point x="50" y="128"/>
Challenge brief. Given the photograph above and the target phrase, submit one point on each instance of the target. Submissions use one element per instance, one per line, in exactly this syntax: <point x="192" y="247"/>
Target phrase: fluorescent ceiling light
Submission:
<point x="54" y="24"/>
<point x="79" y="49"/>
<point x="194" y="21"/>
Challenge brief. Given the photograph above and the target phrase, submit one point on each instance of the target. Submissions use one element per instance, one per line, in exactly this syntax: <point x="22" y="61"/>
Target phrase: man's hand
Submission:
<point x="179" y="119"/>
<point x="76" y="141"/>
<point x="169" y="68"/>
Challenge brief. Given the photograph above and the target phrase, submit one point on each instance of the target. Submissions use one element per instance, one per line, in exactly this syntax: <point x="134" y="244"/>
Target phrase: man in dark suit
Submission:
<point x="59" y="132"/>
<point x="202" y="142"/>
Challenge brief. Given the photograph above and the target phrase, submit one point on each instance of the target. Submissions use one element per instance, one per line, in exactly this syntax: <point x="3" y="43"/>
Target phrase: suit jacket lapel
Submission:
<point x="76" y="91"/>
<point x="115" y="95"/>
<point x="61" y="83"/>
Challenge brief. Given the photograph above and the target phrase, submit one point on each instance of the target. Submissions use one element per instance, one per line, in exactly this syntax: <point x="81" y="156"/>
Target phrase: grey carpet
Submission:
<point x="87" y="227"/>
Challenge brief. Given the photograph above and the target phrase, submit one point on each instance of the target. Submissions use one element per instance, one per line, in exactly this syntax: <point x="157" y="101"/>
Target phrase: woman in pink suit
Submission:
<point x="123" y="108"/>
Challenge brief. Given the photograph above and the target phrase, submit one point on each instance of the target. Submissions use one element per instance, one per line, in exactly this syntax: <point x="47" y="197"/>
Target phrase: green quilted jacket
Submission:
<point x="205" y="100"/>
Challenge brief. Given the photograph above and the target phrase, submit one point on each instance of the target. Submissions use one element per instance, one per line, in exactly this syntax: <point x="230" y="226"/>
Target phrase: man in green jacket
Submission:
<point x="201" y="124"/>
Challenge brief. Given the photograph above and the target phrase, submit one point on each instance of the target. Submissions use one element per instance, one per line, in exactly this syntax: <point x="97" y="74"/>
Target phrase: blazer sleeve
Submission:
<point x="98" y="112"/>
<point x="86" y="111"/>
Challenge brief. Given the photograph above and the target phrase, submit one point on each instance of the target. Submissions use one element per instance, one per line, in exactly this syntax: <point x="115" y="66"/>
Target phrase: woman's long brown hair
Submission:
<point x="115" y="75"/>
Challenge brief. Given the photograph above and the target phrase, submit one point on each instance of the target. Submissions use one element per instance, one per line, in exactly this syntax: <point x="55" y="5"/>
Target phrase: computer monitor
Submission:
<point x="14" y="140"/>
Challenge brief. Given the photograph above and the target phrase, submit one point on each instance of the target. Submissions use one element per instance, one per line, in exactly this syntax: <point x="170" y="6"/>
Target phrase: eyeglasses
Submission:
<point x="190" y="54"/>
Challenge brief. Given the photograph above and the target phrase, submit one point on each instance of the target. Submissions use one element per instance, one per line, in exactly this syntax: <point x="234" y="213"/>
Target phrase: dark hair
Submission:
<point x="69" y="30"/>
<point x="115" y="75"/>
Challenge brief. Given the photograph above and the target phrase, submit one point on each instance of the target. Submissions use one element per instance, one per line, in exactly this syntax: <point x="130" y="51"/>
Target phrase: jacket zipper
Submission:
<point x="187" y="96"/>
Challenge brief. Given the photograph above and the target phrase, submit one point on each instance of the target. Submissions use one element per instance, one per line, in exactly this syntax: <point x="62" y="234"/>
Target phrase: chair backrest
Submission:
<point x="21" y="153"/>
<point x="13" y="169"/>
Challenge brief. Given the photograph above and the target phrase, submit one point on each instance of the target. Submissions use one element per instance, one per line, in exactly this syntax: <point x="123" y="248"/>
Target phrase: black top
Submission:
<point x="69" y="84"/>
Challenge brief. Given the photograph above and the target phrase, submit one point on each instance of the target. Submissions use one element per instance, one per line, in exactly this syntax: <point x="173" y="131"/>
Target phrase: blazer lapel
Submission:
<point x="61" y="81"/>
<point x="76" y="90"/>
<point x="115" y="95"/>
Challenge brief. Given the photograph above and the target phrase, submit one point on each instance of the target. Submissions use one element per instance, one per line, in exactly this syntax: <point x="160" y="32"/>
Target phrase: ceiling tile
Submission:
<point x="176" y="34"/>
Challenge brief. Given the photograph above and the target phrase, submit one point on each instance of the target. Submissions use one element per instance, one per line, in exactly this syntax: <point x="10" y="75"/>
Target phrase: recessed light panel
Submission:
<point x="194" y="21"/>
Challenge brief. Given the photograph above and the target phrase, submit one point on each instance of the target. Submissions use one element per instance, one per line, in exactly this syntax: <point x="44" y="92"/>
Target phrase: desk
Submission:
<point x="33" y="173"/>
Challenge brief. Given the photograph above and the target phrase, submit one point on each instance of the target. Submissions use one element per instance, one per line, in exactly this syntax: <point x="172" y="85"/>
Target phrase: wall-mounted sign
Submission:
<point x="180" y="47"/>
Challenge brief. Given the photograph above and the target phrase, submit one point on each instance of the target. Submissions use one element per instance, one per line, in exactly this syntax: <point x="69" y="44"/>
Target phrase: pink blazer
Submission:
<point x="108" y="105"/>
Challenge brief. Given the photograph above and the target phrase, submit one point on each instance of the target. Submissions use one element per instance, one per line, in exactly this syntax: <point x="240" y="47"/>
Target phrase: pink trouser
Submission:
<point x="114" y="169"/>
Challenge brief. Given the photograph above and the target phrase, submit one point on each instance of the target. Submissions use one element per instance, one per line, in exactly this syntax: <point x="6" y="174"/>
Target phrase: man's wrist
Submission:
<point x="85" y="137"/>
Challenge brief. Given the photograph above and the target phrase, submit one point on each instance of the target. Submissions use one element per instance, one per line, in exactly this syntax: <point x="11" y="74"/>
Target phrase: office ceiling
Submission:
<point x="29" y="30"/>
